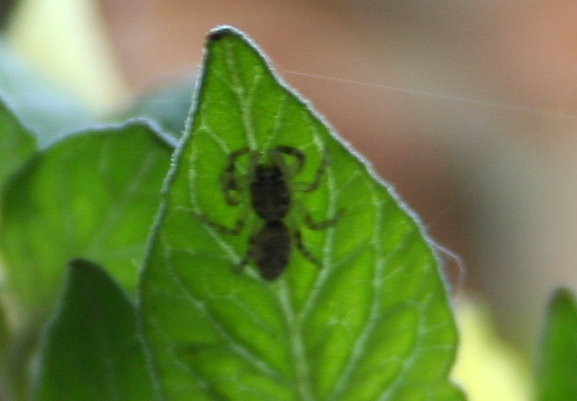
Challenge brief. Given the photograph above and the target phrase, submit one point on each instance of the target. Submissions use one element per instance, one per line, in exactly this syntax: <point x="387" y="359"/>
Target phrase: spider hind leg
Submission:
<point x="304" y="250"/>
<point x="319" y="225"/>
<point x="238" y="227"/>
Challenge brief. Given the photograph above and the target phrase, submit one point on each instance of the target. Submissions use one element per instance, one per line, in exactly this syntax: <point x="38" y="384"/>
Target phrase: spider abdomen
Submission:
<point x="272" y="254"/>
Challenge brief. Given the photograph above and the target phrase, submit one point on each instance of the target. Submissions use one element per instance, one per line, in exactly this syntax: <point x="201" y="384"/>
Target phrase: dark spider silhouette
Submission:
<point x="269" y="185"/>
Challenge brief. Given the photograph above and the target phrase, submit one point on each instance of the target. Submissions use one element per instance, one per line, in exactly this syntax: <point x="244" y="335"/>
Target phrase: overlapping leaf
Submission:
<point x="16" y="143"/>
<point x="91" y="195"/>
<point x="372" y="324"/>
<point x="557" y="367"/>
<point x="92" y="350"/>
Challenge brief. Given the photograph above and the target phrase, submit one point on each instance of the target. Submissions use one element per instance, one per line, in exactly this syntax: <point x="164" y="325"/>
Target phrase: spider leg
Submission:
<point x="277" y="159"/>
<point x="309" y="187"/>
<point x="239" y="225"/>
<point x="252" y="248"/>
<point x="319" y="225"/>
<point x="292" y="151"/>
<point x="228" y="179"/>
<point x="239" y="268"/>
<point x="304" y="250"/>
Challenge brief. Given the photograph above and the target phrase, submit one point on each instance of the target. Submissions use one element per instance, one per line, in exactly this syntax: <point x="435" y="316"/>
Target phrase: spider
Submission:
<point x="269" y="184"/>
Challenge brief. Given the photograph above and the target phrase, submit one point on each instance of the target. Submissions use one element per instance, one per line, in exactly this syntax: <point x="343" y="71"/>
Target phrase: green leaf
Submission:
<point x="91" y="350"/>
<point x="91" y="195"/>
<point x="557" y="365"/>
<point x="16" y="143"/>
<point x="372" y="324"/>
<point x="4" y="344"/>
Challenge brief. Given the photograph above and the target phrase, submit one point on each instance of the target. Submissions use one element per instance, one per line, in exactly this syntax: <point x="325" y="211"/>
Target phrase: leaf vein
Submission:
<point x="234" y="345"/>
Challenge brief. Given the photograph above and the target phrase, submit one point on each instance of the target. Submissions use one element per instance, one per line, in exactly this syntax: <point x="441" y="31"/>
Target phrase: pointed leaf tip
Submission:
<point x="16" y="143"/>
<point x="371" y="323"/>
<point x="91" y="349"/>
<point x="557" y="362"/>
<point x="221" y="32"/>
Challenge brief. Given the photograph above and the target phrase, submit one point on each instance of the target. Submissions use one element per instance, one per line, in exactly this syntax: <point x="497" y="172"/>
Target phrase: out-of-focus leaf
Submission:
<point x="4" y="341"/>
<point x="372" y="324"/>
<point x="92" y="350"/>
<point x="16" y="143"/>
<point x="557" y="366"/>
<point x="91" y="195"/>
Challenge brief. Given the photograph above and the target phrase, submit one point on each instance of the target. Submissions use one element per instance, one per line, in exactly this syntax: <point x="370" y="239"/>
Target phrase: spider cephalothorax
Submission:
<point x="269" y="185"/>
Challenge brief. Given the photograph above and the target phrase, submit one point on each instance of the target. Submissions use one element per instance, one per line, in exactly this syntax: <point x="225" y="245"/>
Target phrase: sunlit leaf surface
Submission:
<point x="372" y="324"/>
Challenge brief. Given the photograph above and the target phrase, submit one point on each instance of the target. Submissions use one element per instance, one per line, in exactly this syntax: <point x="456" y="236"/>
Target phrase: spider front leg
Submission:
<point x="228" y="180"/>
<point x="291" y="151"/>
<point x="316" y="182"/>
